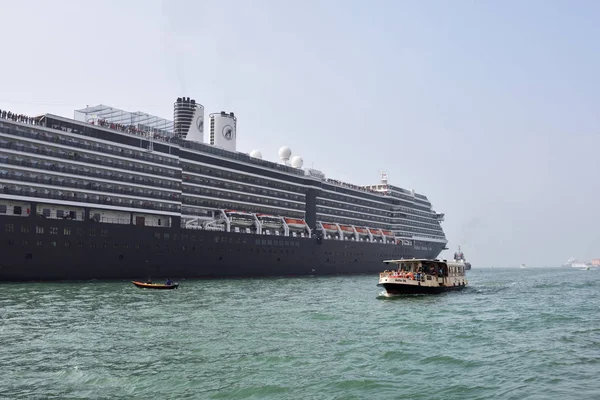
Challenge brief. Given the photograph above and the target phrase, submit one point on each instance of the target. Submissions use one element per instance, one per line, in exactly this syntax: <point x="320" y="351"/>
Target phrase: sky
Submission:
<point x="488" y="108"/>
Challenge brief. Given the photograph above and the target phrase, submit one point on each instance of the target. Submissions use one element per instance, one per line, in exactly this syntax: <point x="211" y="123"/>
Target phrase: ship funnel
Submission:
<point x="188" y="119"/>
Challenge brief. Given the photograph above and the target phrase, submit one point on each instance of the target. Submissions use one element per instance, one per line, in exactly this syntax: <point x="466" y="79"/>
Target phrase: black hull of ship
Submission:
<point x="399" y="289"/>
<point x="76" y="250"/>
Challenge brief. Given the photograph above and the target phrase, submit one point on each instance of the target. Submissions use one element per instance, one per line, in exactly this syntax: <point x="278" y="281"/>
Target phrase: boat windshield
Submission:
<point x="423" y="267"/>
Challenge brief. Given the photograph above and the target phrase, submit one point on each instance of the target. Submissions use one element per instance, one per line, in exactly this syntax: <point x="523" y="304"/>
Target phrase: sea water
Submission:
<point x="512" y="334"/>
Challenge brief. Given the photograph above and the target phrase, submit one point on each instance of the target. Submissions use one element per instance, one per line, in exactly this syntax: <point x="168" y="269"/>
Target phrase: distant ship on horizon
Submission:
<point x="574" y="263"/>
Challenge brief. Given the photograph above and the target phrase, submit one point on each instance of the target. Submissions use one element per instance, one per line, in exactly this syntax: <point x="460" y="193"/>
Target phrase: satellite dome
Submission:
<point x="256" y="154"/>
<point x="285" y="153"/>
<point x="297" y="162"/>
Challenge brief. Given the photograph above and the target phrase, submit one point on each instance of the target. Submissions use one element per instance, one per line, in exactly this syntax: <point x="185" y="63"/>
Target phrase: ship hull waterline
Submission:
<point x="94" y="250"/>
<point x="399" y="289"/>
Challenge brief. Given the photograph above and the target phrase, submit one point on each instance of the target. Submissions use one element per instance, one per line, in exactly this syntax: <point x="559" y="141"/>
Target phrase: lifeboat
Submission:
<point x="331" y="228"/>
<point x="295" y="224"/>
<point x="362" y="231"/>
<point x="347" y="229"/>
<point x="270" y="221"/>
<point x="240" y="218"/>
<point x="388" y="233"/>
<point x="376" y="232"/>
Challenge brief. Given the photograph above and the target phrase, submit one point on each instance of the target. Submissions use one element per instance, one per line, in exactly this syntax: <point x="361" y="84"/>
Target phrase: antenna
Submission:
<point x="384" y="178"/>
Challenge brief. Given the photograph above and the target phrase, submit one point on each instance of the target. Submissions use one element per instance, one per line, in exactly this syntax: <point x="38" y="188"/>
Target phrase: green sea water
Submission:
<point x="512" y="334"/>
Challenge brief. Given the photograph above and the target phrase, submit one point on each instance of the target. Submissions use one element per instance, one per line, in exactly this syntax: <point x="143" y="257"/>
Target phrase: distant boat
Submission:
<point x="459" y="256"/>
<point x="579" y="264"/>
<point x="569" y="262"/>
<point x="523" y="266"/>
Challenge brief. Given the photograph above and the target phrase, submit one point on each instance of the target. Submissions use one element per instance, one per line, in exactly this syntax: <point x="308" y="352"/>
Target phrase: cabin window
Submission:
<point x="24" y="229"/>
<point x="67" y="231"/>
<point x="72" y="215"/>
<point x="159" y="222"/>
<point x="17" y="210"/>
<point x="39" y="229"/>
<point x="46" y="212"/>
<point x="60" y="213"/>
<point x="9" y="227"/>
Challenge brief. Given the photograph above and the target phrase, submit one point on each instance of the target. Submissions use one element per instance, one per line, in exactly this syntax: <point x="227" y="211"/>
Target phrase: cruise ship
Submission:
<point x="113" y="195"/>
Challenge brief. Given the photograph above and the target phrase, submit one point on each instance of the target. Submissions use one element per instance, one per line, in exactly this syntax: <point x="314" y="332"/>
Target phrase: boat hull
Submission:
<point x="155" y="286"/>
<point x="34" y="248"/>
<point x="398" y="289"/>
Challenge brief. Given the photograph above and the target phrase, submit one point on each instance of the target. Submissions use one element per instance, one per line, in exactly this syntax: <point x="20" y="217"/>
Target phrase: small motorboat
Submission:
<point x="143" y="285"/>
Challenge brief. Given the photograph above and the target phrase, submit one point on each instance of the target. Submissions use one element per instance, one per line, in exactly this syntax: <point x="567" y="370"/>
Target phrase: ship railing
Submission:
<point x="83" y="144"/>
<point x="69" y="195"/>
<point x="22" y="118"/>
<point x="111" y="220"/>
<point x="81" y="171"/>
<point x="76" y="183"/>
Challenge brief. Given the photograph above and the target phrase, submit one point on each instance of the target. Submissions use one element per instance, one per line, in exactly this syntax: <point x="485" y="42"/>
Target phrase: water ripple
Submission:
<point x="513" y="334"/>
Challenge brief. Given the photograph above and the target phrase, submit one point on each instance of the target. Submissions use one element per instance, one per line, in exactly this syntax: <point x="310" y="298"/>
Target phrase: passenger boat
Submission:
<point x="143" y="285"/>
<point x="422" y="276"/>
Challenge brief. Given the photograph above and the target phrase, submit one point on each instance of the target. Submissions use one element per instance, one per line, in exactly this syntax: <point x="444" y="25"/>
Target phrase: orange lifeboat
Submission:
<point x="388" y="233"/>
<point x="362" y="231"/>
<point x="295" y="224"/>
<point x="330" y="227"/>
<point x="347" y="229"/>
<point x="376" y="232"/>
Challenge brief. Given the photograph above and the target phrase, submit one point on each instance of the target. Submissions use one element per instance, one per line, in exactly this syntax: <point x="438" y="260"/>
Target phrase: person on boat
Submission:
<point x="169" y="282"/>
<point x="149" y="281"/>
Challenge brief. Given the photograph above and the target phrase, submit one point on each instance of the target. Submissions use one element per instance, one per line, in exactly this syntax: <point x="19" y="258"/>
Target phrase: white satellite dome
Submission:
<point x="256" y="154"/>
<point x="285" y="153"/>
<point x="297" y="162"/>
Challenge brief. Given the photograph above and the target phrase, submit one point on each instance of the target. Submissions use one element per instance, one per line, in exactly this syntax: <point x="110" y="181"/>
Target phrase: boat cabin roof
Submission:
<point x="423" y="261"/>
<point x="409" y="260"/>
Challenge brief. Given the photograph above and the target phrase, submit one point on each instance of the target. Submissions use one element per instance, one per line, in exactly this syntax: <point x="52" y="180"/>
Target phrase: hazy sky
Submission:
<point x="490" y="108"/>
